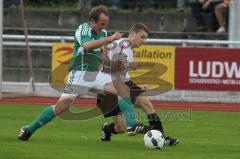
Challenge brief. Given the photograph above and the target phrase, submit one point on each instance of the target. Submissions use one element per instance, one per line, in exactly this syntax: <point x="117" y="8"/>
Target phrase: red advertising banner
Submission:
<point x="207" y="69"/>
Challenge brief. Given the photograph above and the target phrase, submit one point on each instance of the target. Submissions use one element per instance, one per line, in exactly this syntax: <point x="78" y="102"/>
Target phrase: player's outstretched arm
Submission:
<point x="90" y="45"/>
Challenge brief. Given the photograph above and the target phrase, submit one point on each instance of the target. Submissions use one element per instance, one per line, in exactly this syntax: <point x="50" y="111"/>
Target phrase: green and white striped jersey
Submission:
<point x="85" y="60"/>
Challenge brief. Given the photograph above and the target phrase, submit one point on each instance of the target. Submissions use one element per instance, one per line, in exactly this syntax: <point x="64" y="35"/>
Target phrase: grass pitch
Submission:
<point x="202" y="134"/>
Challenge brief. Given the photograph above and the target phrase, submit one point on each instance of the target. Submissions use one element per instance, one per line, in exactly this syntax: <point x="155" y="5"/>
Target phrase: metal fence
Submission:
<point x="36" y="40"/>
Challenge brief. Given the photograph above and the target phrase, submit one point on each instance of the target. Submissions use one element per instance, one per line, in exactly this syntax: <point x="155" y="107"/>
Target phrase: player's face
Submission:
<point x="101" y="23"/>
<point x="139" y="38"/>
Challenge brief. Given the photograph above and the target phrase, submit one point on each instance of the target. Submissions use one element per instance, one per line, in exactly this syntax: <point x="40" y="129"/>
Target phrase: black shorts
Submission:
<point x="108" y="103"/>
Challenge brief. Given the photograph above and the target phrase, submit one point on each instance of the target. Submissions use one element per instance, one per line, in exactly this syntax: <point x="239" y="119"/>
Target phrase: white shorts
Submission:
<point x="80" y="82"/>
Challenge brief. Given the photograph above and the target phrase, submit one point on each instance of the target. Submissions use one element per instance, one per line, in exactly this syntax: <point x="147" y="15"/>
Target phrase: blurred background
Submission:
<point x="166" y="19"/>
<point x="29" y="31"/>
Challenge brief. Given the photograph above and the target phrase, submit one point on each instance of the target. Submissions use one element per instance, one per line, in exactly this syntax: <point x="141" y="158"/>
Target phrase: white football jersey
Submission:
<point x="120" y="50"/>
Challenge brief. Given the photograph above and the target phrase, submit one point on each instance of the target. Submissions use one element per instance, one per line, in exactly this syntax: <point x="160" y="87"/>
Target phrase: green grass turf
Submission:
<point x="202" y="134"/>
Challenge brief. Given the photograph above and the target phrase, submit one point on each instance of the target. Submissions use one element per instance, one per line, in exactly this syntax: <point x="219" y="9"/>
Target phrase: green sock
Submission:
<point x="127" y="109"/>
<point x="46" y="116"/>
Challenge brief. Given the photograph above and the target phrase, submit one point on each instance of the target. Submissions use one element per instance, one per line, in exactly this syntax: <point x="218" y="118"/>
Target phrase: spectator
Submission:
<point x="221" y="12"/>
<point x="140" y="5"/>
<point x="180" y="5"/>
<point x="115" y="4"/>
<point x="201" y="7"/>
<point x="9" y="3"/>
<point x="84" y="4"/>
<point x="196" y="9"/>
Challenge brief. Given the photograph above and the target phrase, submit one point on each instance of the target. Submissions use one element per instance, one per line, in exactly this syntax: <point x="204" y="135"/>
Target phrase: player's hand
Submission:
<point x="116" y="36"/>
<point x="117" y="66"/>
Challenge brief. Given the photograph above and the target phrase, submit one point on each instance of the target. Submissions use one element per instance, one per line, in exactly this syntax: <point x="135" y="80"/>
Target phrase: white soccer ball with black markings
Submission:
<point x="154" y="139"/>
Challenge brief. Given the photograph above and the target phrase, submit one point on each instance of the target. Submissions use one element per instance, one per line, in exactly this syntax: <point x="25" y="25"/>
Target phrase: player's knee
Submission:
<point x="144" y="101"/>
<point x="60" y="110"/>
<point x="120" y="85"/>
<point x="63" y="104"/>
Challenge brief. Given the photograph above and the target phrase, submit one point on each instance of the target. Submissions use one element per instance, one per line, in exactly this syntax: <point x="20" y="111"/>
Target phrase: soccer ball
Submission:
<point x="154" y="139"/>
